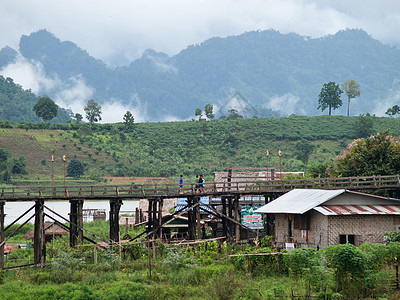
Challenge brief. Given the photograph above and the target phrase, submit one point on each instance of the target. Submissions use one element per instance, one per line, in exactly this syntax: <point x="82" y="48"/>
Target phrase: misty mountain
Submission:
<point x="16" y="104"/>
<point x="278" y="74"/>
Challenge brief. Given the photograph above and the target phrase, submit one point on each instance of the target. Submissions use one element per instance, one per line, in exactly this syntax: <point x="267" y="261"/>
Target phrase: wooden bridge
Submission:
<point x="218" y="189"/>
<point x="229" y="192"/>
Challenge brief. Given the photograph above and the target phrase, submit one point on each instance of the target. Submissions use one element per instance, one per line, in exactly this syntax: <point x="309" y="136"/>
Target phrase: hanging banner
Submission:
<point x="251" y="219"/>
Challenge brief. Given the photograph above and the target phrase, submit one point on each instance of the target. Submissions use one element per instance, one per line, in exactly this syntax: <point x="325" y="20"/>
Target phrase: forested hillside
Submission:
<point x="188" y="148"/>
<point x="279" y="74"/>
<point x="16" y="104"/>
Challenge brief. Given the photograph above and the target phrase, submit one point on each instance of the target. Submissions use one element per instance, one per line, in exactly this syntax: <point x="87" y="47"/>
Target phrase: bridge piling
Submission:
<point x="115" y="206"/>
<point x="39" y="250"/>
<point x="2" y="235"/>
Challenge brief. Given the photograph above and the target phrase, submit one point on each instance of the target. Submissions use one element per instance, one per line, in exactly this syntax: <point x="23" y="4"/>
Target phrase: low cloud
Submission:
<point x="288" y="104"/>
<point x="393" y="98"/>
<point x="30" y="75"/>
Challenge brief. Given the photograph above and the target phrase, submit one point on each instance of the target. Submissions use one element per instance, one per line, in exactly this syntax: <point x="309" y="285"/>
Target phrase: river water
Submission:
<point x="15" y="209"/>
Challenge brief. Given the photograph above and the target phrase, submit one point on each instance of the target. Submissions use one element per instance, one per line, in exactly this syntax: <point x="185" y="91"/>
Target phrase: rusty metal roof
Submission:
<point x="336" y="210"/>
<point x="298" y="201"/>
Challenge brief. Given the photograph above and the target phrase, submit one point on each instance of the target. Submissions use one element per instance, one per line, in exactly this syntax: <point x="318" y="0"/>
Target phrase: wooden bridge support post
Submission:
<point x="236" y="208"/>
<point x="155" y="220"/>
<point x="115" y="206"/>
<point x="2" y="235"/>
<point x="73" y="219"/>
<point x="191" y="219"/>
<point x="224" y="225"/>
<point x="149" y="216"/>
<point x="231" y="227"/>
<point x="198" y="219"/>
<point x="160" y="208"/>
<point x="80" y="221"/>
<point x="39" y="251"/>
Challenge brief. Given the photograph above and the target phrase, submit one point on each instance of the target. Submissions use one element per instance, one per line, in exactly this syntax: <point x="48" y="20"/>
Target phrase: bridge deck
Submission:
<point x="143" y="191"/>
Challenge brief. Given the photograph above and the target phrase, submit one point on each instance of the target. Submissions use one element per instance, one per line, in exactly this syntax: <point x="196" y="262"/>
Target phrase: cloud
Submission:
<point x="119" y="31"/>
<point x="30" y="75"/>
<point x="288" y="101"/>
<point x="114" y="110"/>
<point x="393" y="98"/>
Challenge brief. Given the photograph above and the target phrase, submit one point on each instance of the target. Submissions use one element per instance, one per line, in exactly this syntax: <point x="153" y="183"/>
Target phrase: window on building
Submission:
<point x="347" y="238"/>
<point x="302" y="222"/>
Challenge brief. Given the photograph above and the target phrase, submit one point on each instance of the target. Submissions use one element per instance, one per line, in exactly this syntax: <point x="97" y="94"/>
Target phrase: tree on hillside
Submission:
<point x="19" y="166"/>
<point x="75" y="168"/>
<point x="129" y="120"/>
<point x="364" y="125"/>
<point x="352" y="90"/>
<point x="78" y="118"/>
<point x="233" y="115"/>
<point x="303" y="150"/>
<point x="93" y="111"/>
<point x="46" y="109"/>
<point x="394" y="110"/>
<point x="329" y="97"/>
<point x="208" y="110"/>
<point x="198" y="113"/>
<point x="375" y="155"/>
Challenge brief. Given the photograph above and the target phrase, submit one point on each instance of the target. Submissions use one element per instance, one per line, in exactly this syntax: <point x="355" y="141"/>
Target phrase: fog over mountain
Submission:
<point x="275" y="74"/>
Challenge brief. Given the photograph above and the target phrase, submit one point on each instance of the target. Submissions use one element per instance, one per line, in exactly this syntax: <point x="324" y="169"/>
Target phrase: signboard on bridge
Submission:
<point x="251" y="219"/>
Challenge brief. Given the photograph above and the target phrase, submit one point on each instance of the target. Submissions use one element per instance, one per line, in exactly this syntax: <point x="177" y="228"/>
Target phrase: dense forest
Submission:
<point x="279" y="74"/>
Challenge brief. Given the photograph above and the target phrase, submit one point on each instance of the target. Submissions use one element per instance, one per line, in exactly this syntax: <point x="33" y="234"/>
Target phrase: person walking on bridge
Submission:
<point x="181" y="184"/>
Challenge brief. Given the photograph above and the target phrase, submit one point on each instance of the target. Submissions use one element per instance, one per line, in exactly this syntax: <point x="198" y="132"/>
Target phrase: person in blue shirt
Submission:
<point x="181" y="184"/>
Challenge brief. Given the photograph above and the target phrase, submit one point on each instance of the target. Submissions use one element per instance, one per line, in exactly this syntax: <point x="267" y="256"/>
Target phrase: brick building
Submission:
<point x="312" y="218"/>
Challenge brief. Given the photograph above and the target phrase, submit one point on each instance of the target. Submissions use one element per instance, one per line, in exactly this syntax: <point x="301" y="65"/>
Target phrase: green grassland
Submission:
<point x="174" y="148"/>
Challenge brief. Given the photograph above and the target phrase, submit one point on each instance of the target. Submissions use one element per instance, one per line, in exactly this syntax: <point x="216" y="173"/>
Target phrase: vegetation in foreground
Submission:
<point x="209" y="271"/>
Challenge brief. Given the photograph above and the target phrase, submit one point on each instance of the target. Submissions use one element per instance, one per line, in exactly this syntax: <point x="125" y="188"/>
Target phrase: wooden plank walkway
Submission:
<point x="218" y="189"/>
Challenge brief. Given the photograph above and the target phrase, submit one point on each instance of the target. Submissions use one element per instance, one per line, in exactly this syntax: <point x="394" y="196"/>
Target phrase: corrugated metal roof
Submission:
<point x="182" y="202"/>
<point x="298" y="201"/>
<point x="336" y="210"/>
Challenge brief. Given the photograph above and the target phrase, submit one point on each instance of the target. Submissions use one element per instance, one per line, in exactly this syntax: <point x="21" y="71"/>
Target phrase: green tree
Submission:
<point x="375" y="155"/>
<point x="75" y="168"/>
<point x="93" y="111"/>
<point x="303" y="150"/>
<point x="329" y="97"/>
<point x="394" y="110"/>
<point x="233" y="115"/>
<point x="19" y="166"/>
<point x="78" y="118"/>
<point x="208" y="110"/>
<point x="129" y="120"/>
<point x="198" y="113"/>
<point x="46" y="109"/>
<point x="4" y="155"/>
<point x="364" y="125"/>
<point x="352" y="90"/>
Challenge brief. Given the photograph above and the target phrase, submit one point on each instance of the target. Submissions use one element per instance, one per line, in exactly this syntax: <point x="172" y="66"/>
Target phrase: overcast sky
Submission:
<point x="118" y="31"/>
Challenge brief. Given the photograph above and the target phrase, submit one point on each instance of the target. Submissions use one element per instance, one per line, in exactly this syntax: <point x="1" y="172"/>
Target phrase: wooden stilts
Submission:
<point x="73" y="219"/>
<point x="155" y="221"/>
<point x="80" y="221"/>
<point x="224" y="225"/>
<point x="236" y="207"/>
<point x="2" y="216"/>
<point x="191" y="219"/>
<point x="160" y="208"/>
<point x="115" y="206"/>
<point x="149" y="216"/>
<point x="198" y="224"/>
<point x="38" y="232"/>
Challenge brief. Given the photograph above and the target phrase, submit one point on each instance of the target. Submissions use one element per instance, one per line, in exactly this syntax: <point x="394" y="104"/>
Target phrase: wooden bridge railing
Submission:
<point x="139" y="191"/>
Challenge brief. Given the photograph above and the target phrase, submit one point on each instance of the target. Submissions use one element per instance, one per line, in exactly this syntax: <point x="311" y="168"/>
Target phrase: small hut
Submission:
<point x="51" y="230"/>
